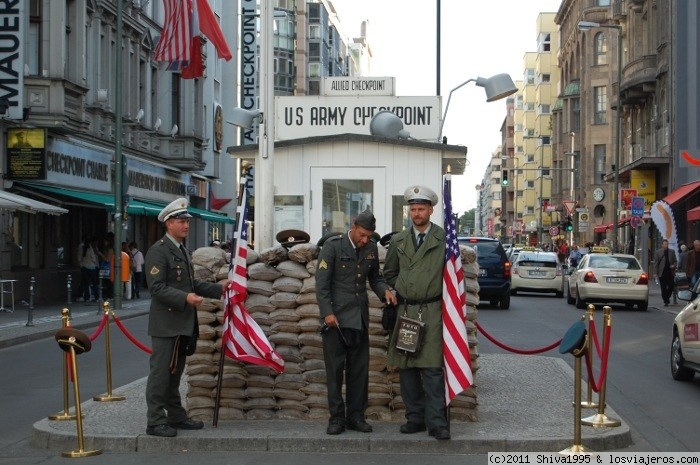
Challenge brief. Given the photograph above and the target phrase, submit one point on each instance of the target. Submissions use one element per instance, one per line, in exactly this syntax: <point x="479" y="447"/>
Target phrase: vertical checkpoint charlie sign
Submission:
<point x="12" y="58"/>
<point x="299" y="117"/>
<point x="249" y="65"/>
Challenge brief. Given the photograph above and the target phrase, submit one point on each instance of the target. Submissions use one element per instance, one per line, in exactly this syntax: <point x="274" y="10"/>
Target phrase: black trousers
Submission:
<point x="423" y="393"/>
<point x="353" y="364"/>
<point x="667" y="282"/>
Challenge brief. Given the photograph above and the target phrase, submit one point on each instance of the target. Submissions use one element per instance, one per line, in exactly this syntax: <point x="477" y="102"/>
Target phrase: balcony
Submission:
<point x="638" y="80"/>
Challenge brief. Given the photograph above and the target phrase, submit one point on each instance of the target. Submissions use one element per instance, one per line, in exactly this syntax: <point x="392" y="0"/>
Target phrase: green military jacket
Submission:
<point x="341" y="281"/>
<point x="417" y="276"/>
<point x="170" y="277"/>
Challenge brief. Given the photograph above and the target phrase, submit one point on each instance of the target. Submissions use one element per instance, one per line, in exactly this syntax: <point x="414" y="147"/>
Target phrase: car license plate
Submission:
<point x="536" y="273"/>
<point x="615" y="280"/>
<point x="482" y="272"/>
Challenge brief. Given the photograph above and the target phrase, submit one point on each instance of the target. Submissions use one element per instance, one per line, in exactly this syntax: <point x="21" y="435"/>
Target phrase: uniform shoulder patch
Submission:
<point x="155" y="270"/>
<point x="323" y="265"/>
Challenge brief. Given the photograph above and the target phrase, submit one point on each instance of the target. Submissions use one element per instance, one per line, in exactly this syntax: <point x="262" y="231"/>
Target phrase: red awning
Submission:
<point x="682" y="192"/>
<point x="694" y="214"/>
<point x="624" y="220"/>
<point x="602" y="228"/>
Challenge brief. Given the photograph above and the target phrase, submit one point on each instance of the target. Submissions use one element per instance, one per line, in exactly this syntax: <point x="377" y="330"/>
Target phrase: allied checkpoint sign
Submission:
<point x="309" y="116"/>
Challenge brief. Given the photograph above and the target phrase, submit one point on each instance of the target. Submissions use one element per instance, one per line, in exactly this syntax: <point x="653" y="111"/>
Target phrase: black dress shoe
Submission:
<point x="188" y="424"/>
<point x="164" y="431"/>
<point x="335" y="428"/>
<point x="361" y="425"/>
<point x="411" y="427"/>
<point x="440" y="432"/>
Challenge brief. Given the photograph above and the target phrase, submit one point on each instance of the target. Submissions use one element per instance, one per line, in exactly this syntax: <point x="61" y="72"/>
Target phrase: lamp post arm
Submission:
<point x="447" y="106"/>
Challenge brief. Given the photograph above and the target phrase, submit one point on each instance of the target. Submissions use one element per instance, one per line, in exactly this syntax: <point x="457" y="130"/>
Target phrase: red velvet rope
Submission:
<point x="514" y="350"/>
<point x="597" y="385"/>
<point x="594" y="334"/>
<point x="130" y="336"/>
<point x="99" y="329"/>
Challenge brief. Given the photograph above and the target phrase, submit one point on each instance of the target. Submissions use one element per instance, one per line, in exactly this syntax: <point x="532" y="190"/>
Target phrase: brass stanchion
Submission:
<point x="600" y="420"/>
<point x="76" y="342"/>
<point x="108" y="397"/>
<point x="575" y="343"/>
<point x="65" y="321"/>
<point x="589" y="389"/>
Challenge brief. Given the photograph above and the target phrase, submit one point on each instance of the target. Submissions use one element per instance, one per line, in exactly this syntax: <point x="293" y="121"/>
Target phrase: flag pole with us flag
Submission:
<point x="242" y="339"/>
<point x="455" y="347"/>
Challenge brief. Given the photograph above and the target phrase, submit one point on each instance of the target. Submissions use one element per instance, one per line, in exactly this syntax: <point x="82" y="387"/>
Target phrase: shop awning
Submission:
<point x="682" y="192"/>
<point x="602" y="228"/>
<point x="10" y="201"/>
<point x="694" y="214"/>
<point x="206" y="215"/>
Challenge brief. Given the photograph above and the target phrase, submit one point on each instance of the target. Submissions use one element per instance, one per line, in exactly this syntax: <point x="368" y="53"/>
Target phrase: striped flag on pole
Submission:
<point x="458" y="361"/>
<point x="243" y="339"/>
<point x="175" y="40"/>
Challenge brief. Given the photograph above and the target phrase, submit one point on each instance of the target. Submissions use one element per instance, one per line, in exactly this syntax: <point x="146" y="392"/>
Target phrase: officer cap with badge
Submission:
<point x="420" y="194"/>
<point x="175" y="210"/>
<point x="291" y="237"/>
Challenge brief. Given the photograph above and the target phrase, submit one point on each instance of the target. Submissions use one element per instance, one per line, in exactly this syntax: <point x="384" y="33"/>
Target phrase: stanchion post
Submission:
<point x="577" y="447"/>
<point x="600" y="419"/>
<point x="590" y="312"/>
<point x="69" y="289"/>
<point x="65" y="322"/>
<point x="30" y="313"/>
<point x="108" y="357"/>
<point x="100" y="297"/>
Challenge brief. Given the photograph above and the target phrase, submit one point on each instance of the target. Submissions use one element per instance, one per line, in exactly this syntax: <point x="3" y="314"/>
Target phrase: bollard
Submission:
<point x="108" y="397"/>
<point x="30" y="314"/>
<point x="76" y="342"/>
<point x="589" y="390"/>
<point x="575" y="343"/>
<point x="69" y="291"/>
<point x="65" y="323"/>
<point x="600" y="420"/>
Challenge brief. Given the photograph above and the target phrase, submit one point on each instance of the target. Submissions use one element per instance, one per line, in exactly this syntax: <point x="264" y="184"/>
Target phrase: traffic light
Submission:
<point x="567" y="225"/>
<point x="504" y="178"/>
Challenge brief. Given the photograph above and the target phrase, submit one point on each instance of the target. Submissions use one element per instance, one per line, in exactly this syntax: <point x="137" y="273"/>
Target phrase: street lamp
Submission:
<point x="496" y="87"/>
<point x="587" y="26"/>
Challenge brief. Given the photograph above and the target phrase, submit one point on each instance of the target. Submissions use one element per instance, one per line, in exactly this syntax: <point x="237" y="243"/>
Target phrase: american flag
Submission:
<point x="455" y="348"/>
<point x="180" y="42"/>
<point x="243" y="339"/>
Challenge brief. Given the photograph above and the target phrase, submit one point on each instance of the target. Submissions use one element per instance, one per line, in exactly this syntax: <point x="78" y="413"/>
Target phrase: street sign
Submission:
<point x="583" y="216"/>
<point x="553" y="231"/>
<point x="582" y="209"/>
<point x="638" y="206"/>
<point x="636" y="221"/>
<point x="569" y="205"/>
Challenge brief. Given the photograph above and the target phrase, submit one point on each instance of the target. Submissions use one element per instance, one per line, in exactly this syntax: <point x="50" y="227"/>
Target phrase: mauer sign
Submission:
<point x="12" y="58"/>
<point x="298" y="117"/>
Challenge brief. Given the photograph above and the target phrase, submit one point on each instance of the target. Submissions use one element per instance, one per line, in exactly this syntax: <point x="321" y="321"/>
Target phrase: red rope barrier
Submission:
<point x="99" y="329"/>
<point x="126" y="332"/>
<point x="597" y="385"/>
<point x="594" y="334"/>
<point x="514" y="350"/>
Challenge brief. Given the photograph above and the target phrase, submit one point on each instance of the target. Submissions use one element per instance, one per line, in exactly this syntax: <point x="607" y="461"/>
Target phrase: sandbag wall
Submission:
<point x="282" y="300"/>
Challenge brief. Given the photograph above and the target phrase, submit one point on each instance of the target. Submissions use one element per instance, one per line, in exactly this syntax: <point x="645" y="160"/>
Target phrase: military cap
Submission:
<point x="71" y="337"/>
<point x="386" y="238"/>
<point x="176" y="209"/>
<point x="366" y="220"/>
<point x="420" y="194"/>
<point x="291" y="237"/>
<point x="573" y="340"/>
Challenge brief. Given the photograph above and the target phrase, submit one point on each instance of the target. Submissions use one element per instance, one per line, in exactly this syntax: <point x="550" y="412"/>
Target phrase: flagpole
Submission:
<point x="448" y="188"/>
<point x="234" y="251"/>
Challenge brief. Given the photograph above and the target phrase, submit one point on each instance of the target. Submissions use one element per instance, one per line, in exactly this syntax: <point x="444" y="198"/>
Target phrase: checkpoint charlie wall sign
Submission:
<point x="358" y="85"/>
<point x="299" y="117"/>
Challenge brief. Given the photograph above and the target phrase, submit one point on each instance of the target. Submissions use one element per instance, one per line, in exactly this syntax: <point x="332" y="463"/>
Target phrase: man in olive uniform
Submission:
<point x="172" y="323"/>
<point x="345" y="264"/>
<point x="414" y="267"/>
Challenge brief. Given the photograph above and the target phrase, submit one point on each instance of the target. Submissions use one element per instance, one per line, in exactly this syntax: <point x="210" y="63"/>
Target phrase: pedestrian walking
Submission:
<point x="665" y="263"/>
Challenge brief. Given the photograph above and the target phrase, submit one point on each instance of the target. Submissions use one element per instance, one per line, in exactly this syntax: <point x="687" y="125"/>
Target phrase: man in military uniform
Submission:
<point x="345" y="264"/>
<point x="172" y="324"/>
<point x="414" y="267"/>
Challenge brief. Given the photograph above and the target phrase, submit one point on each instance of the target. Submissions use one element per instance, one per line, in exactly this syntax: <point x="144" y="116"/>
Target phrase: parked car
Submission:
<point x="602" y="277"/>
<point x="537" y="271"/>
<point x="494" y="270"/>
<point x="685" y="343"/>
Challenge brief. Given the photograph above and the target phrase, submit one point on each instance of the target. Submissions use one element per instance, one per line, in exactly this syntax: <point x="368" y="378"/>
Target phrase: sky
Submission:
<point x="478" y="39"/>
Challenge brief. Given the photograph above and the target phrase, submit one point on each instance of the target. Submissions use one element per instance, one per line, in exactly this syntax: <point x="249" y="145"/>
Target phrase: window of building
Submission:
<point x="529" y="210"/>
<point x="314" y="51"/>
<point x="601" y="49"/>
<point x="544" y="42"/>
<point x="314" y="87"/>
<point x="529" y="184"/>
<point x="529" y="158"/>
<point x="530" y="106"/>
<point x="543" y="110"/>
<point x="530" y="76"/>
<point x="600" y="102"/>
<point x="314" y="31"/>
<point x="343" y="200"/>
<point x="575" y="114"/>
<point x="599" y="163"/>
<point x="314" y="10"/>
<point x="314" y="70"/>
<point x="175" y="99"/>
<point x="32" y="49"/>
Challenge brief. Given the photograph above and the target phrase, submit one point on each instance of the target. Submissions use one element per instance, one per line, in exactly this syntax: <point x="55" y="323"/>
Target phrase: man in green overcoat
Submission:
<point x="172" y="322"/>
<point x="414" y="267"/>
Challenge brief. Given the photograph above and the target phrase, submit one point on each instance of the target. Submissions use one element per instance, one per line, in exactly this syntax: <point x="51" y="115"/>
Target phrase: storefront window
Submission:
<point x="343" y="200"/>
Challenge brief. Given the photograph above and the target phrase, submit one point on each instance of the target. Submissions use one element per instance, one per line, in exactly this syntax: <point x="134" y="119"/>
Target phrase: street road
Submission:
<point x="660" y="411"/>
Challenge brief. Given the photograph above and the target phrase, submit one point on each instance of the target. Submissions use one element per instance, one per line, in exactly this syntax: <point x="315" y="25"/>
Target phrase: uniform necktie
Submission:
<point x="184" y="252"/>
<point x="421" y="236"/>
<point x="357" y="252"/>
